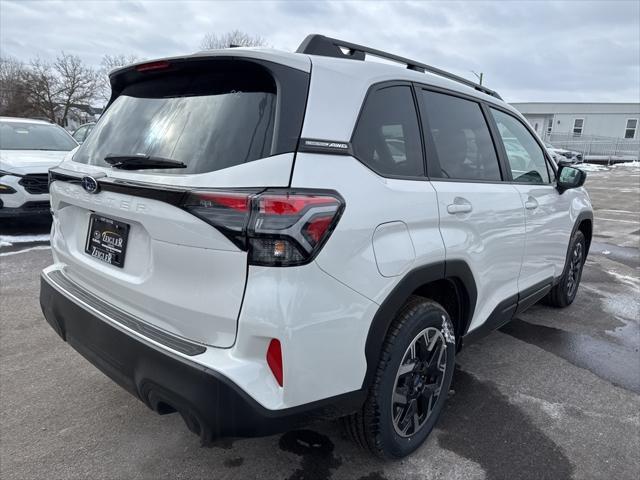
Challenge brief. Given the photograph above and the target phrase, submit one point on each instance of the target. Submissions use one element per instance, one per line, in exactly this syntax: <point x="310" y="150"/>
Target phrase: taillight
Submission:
<point x="227" y="211"/>
<point x="277" y="227"/>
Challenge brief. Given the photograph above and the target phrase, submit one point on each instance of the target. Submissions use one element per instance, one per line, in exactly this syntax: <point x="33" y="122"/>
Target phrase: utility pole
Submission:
<point x="479" y="75"/>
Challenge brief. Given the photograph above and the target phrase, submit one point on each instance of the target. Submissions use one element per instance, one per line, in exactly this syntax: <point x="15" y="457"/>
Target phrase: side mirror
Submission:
<point x="570" y="177"/>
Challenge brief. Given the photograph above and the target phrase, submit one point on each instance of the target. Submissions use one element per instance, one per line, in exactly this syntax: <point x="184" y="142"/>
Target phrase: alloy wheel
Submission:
<point x="419" y="380"/>
<point x="575" y="269"/>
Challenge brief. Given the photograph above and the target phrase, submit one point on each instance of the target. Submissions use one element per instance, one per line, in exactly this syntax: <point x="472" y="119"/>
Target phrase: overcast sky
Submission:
<point x="528" y="51"/>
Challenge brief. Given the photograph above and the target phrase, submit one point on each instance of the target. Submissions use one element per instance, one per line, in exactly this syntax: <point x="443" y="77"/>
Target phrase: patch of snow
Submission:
<point x="39" y="247"/>
<point x="8" y="240"/>
<point x="626" y="279"/>
<point x="554" y="410"/>
<point x="634" y="164"/>
<point x="591" y="167"/>
<point x="606" y="252"/>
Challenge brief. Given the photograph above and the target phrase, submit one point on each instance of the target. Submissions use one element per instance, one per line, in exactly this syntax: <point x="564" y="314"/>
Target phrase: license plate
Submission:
<point x="107" y="240"/>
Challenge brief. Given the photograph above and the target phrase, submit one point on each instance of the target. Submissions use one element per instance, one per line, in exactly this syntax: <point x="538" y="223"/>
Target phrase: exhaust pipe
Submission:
<point x="164" y="403"/>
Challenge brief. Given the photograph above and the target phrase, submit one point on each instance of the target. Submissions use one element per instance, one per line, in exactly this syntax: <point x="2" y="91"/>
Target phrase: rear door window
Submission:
<point x="387" y="137"/>
<point x="209" y="119"/>
<point x="461" y="138"/>
<point x="526" y="159"/>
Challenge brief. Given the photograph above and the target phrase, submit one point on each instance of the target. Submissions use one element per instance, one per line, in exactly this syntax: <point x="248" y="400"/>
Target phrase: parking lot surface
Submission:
<point x="555" y="394"/>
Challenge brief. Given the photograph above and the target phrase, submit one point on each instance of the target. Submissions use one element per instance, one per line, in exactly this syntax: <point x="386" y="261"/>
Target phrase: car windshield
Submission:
<point x="34" y="136"/>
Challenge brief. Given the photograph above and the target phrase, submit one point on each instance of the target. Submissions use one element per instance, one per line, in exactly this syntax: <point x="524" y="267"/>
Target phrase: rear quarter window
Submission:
<point x="387" y="136"/>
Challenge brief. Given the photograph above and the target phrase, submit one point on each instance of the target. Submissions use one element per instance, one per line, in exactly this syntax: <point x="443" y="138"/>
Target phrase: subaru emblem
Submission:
<point x="90" y="184"/>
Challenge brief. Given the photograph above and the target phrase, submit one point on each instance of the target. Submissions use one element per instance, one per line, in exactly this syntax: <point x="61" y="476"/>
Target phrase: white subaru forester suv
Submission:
<point x="256" y="239"/>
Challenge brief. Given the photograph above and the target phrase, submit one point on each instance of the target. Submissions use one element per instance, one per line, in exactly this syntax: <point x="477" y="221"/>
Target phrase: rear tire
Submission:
<point x="411" y="382"/>
<point x="564" y="292"/>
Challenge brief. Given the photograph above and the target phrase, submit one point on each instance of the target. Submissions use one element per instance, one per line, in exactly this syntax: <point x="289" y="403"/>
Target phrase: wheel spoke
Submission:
<point x="407" y="415"/>
<point x="442" y="365"/>
<point x="430" y="390"/>
<point x="399" y="398"/>
<point x="406" y="368"/>
<point x="432" y="352"/>
<point x="416" y="422"/>
<point x="398" y="416"/>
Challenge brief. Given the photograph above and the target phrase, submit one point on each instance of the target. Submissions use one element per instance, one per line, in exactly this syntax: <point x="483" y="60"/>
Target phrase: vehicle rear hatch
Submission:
<point x="162" y="243"/>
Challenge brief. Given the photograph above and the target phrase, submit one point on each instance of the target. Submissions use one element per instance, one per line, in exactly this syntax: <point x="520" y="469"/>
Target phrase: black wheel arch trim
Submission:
<point x="582" y="216"/>
<point x="457" y="271"/>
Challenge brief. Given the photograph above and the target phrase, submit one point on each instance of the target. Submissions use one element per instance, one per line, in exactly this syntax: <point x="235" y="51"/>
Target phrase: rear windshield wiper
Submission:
<point x="140" y="162"/>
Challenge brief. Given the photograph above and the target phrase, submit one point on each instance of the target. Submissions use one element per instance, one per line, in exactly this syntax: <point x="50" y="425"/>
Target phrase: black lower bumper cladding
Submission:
<point x="211" y="405"/>
<point x="27" y="209"/>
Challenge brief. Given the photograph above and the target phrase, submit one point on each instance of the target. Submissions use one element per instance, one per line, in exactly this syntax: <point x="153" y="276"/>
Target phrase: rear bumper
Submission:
<point x="211" y="404"/>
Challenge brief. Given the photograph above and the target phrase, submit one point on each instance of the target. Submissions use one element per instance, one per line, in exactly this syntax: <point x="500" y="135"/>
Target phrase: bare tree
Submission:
<point x="78" y="83"/>
<point x="13" y="95"/>
<point x="43" y="88"/>
<point x="55" y="89"/>
<point x="109" y="63"/>
<point x="234" y="38"/>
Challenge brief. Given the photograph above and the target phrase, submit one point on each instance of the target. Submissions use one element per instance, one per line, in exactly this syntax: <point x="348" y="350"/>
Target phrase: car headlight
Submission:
<point x="4" y="172"/>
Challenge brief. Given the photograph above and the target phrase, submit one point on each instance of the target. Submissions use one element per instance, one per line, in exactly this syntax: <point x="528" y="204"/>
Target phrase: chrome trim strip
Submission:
<point x="163" y="193"/>
<point x="71" y="290"/>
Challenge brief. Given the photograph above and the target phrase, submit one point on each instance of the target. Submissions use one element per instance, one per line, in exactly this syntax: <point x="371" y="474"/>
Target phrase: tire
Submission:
<point x="564" y="292"/>
<point x="403" y="392"/>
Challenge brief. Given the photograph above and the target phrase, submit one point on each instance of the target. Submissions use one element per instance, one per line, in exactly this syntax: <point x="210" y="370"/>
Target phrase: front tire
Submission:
<point x="564" y="292"/>
<point x="411" y="383"/>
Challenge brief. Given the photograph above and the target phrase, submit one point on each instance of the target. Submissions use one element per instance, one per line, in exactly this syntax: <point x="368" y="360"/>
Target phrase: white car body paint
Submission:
<point x="25" y="162"/>
<point x="186" y="278"/>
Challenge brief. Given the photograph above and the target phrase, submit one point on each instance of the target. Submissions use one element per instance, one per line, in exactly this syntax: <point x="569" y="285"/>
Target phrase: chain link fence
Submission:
<point x="597" y="149"/>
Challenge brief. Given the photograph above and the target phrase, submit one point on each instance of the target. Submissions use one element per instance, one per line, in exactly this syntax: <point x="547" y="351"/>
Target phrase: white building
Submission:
<point x="617" y="120"/>
<point x="595" y="129"/>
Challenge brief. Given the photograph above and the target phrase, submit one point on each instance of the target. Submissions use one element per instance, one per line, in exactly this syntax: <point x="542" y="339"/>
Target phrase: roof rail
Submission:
<point x="316" y="44"/>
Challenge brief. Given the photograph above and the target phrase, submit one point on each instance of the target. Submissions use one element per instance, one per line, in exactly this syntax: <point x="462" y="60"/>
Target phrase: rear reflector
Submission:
<point x="274" y="360"/>
<point x="160" y="65"/>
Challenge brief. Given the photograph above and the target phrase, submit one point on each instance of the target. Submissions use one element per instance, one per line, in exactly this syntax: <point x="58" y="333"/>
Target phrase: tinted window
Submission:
<point x="526" y="159"/>
<point x="34" y="136"/>
<point x="387" y="137"/>
<point x="80" y="134"/>
<point x="461" y="138"/>
<point x="208" y="120"/>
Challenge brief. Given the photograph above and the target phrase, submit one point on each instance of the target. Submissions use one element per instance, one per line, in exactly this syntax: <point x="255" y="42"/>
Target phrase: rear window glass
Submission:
<point x="461" y="138"/>
<point x="34" y="136"/>
<point x="208" y="120"/>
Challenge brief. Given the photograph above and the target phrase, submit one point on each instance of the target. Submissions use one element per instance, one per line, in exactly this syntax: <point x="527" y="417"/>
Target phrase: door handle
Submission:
<point x="460" y="205"/>
<point x="531" y="203"/>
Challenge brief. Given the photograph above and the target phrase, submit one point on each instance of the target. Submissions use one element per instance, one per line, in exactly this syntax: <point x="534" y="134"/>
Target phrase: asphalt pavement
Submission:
<point x="555" y="394"/>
